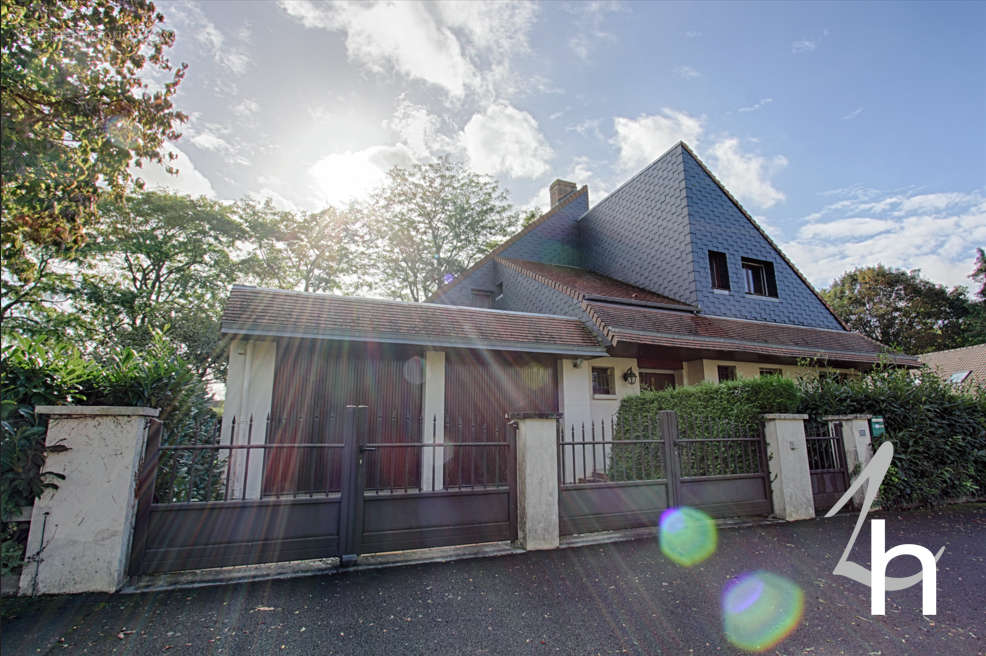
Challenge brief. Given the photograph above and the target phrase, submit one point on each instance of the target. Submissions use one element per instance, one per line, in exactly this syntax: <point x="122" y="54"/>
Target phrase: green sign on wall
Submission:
<point x="876" y="427"/>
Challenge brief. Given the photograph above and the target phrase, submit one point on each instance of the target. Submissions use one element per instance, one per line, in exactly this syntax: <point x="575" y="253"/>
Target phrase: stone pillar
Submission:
<point x="249" y="390"/>
<point x="787" y="462"/>
<point x="859" y="449"/>
<point x="537" y="480"/>
<point x="80" y="533"/>
<point x="433" y="421"/>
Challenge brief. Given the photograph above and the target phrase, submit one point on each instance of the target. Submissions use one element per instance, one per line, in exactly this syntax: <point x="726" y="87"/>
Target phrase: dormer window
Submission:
<point x="759" y="277"/>
<point x="718" y="270"/>
<point x="482" y="298"/>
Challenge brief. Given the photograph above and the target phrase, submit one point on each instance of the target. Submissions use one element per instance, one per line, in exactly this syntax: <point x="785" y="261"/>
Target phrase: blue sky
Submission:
<point x="855" y="133"/>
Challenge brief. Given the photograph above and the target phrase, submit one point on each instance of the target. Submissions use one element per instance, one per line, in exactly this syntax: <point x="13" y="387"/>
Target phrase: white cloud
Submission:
<point x="278" y="200"/>
<point x="747" y="176"/>
<point x="420" y="130"/>
<point x="643" y="139"/>
<point x="763" y="102"/>
<point x="853" y="114"/>
<point x="589" y="19"/>
<point x="246" y="107"/>
<point x="687" y="72"/>
<point x="343" y="177"/>
<point x="803" y="46"/>
<point x="232" y="57"/>
<point x="936" y="233"/>
<point x="693" y="34"/>
<point x="209" y="141"/>
<point x="457" y="46"/>
<point x="188" y="181"/>
<point x="590" y="127"/>
<point x="504" y="139"/>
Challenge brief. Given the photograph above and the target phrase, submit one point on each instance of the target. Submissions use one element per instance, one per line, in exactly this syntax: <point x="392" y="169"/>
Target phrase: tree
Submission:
<point x="900" y="309"/>
<point x="75" y="114"/>
<point x="433" y="220"/>
<point x="979" y="274"/>
<point x="294" y="250"/>
<point x="161" y="260"/>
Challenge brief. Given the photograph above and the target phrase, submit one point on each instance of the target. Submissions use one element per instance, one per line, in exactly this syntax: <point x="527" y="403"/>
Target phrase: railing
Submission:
<point x="716" y="447"/>
<point x="608" y="451"/>
<point x="303" y="457"/>
<point x="825" y="450"/>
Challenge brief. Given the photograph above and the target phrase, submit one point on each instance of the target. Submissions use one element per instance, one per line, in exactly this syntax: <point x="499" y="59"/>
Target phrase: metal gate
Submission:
<point x="614" y="475"/>
<point x="356" y="490"/>
<point x="826" y="463"/>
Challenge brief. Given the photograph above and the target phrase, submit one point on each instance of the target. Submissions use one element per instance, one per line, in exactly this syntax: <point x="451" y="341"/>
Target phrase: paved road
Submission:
<point x="604" y="599"/>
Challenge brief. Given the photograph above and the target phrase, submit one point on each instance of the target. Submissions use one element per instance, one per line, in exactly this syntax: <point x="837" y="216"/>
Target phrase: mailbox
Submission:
<point x="876" y="427"/>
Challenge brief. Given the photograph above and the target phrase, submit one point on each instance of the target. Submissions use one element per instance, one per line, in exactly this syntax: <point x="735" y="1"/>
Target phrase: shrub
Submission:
<point x="938" y="432"/>
<point x="39" y="373"/>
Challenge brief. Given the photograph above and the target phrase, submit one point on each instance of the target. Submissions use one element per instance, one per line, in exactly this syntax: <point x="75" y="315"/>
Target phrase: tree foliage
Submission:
<point x="313" y="252"/>
<point x="159" y="260"/>
<point x="900" y="309"/>
<point x="75" y="114"/>
<point x="433" y="220"/>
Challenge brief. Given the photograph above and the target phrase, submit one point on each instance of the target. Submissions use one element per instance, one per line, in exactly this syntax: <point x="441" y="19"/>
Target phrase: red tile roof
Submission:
<point x="642" y="325"/>
<point x="275" y="312"/>
<point x="582" y="283"/>
<point x="969" y="358"/>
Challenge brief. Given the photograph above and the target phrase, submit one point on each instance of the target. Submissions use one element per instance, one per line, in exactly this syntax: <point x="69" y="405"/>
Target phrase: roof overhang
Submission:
<point x="233" y="329"/>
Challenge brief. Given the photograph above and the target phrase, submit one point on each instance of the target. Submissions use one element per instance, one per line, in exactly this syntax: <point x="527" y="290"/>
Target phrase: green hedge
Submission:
<point x="938" y="431"/>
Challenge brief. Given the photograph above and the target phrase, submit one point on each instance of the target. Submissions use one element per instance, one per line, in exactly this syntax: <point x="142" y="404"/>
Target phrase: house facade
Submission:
<point x="665" y="282"/>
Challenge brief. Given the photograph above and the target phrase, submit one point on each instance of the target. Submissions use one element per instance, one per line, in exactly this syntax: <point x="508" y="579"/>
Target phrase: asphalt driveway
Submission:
<point x="606" y="599"/>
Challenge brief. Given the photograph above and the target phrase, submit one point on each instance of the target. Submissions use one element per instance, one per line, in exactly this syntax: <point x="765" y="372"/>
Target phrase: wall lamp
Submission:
<point x="576" y="363"/>
<point x="629" y="376"/>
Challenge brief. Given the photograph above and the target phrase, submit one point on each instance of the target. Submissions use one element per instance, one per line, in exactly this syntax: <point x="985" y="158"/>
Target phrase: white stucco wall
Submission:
<point x="787" y="461"/>
<point x="697" y="371"/>
<point x="433" y="421"/>
<point x="249" y="390"/>
<point x="81" y="531"/>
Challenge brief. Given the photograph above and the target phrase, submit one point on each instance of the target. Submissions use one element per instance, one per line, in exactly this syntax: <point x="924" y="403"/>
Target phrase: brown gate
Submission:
<point x="826" y="463"/>
<point x="364" y="487"/>
<point x="614" y="475"/>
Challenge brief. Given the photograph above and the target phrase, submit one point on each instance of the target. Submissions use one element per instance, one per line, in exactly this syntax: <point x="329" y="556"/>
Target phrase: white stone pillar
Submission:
<point x="249" y="392"/>
<point x="859" y="449"/>
<point x="537" y="480"/>
<point x="80" y="533"/>
<point x="433" y="422"/>
<point x="787" y="462"/>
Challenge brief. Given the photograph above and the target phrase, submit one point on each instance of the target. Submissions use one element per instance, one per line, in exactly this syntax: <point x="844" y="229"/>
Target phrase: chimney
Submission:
<point x="560" y="189"/>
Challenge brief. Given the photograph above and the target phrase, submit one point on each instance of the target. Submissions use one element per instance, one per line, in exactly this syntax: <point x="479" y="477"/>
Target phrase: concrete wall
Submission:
<point x="537" y="481"/>
<point x="787" y="461"/>
<point x="80" y="533"/>
<point x="249" y="388"/>
<point x="433" y="421"/>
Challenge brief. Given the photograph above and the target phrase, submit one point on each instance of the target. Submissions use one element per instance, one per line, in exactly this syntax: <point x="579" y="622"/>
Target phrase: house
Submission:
<point x="667" y="281"/>
<point x="961" y="367"/>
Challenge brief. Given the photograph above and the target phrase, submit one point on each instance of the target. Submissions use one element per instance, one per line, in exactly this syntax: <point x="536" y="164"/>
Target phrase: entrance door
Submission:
<point x="654" y="381"/>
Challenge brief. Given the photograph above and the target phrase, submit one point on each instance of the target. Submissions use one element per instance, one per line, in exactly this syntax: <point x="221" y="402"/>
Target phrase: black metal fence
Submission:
<point x="609" y="451"/>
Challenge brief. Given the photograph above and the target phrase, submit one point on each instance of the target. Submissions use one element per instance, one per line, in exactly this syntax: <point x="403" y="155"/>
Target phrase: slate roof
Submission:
<point x="281" y="313"/>
<point x="969" y="358"/>
<point x="641" y="325"/>
<point x="582" y="283"/>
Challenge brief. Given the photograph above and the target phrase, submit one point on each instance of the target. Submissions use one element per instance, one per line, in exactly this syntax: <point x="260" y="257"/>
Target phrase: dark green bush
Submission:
<point x="938" y="431"/>
<point x="36" y="373"/>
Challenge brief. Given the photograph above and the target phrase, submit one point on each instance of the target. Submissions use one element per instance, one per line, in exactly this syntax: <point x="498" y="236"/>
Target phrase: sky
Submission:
<point x="855" y="133"/>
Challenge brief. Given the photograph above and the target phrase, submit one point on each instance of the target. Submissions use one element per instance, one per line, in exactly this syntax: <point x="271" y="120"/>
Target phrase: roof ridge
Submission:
<point x="570" y="197"/>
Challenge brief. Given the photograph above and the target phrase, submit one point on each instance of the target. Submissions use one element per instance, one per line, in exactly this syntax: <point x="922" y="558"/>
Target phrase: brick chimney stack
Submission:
<point x="560" y="189"/>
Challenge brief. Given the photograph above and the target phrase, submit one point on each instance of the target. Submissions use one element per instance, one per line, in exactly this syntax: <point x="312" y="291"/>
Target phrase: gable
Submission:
<point x="717" y="223"/>
<point x="639" y="233"/>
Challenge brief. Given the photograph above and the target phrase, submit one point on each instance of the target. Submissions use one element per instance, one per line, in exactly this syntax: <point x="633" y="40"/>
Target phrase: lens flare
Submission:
<point x="759" y="609"/>
<point x="687" y="535"/>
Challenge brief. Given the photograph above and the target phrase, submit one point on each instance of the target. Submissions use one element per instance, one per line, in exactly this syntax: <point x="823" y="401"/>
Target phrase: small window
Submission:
<point x="769" y="371"/>
<point x="759" y="275"/>
<point x="718" y="270"/>
<point x="602" y="381"/>
<point x="726" y="372"/>
<point x="958" y="377"/>
<point x="499" y="291"/>
<point x="482" y="298"/>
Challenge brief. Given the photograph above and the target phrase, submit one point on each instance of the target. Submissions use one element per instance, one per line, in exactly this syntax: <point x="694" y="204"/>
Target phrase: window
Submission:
<point x="656" y="380"/>
<point x="482" y="298"/>
<point x="726" y="373"/>
<point x="718" y="270"/>
<point x="602" y="381"/>
<point x="770" y="371"/>
<point x="499" y="291"/>
<point x="759" y="275"/>
<point x="958" y="377"/>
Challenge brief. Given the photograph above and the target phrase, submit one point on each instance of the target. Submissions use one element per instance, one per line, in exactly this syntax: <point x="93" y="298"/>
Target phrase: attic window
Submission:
<point x="482" y="298"/>
<point x="718" y="270"/>
<point x="499" y="291"/>
<point x="759" y="276"/>
<point x="958" y="376"/>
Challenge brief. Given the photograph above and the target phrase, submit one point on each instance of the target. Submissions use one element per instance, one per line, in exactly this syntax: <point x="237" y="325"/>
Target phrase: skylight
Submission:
<point x="958" y="376"/>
